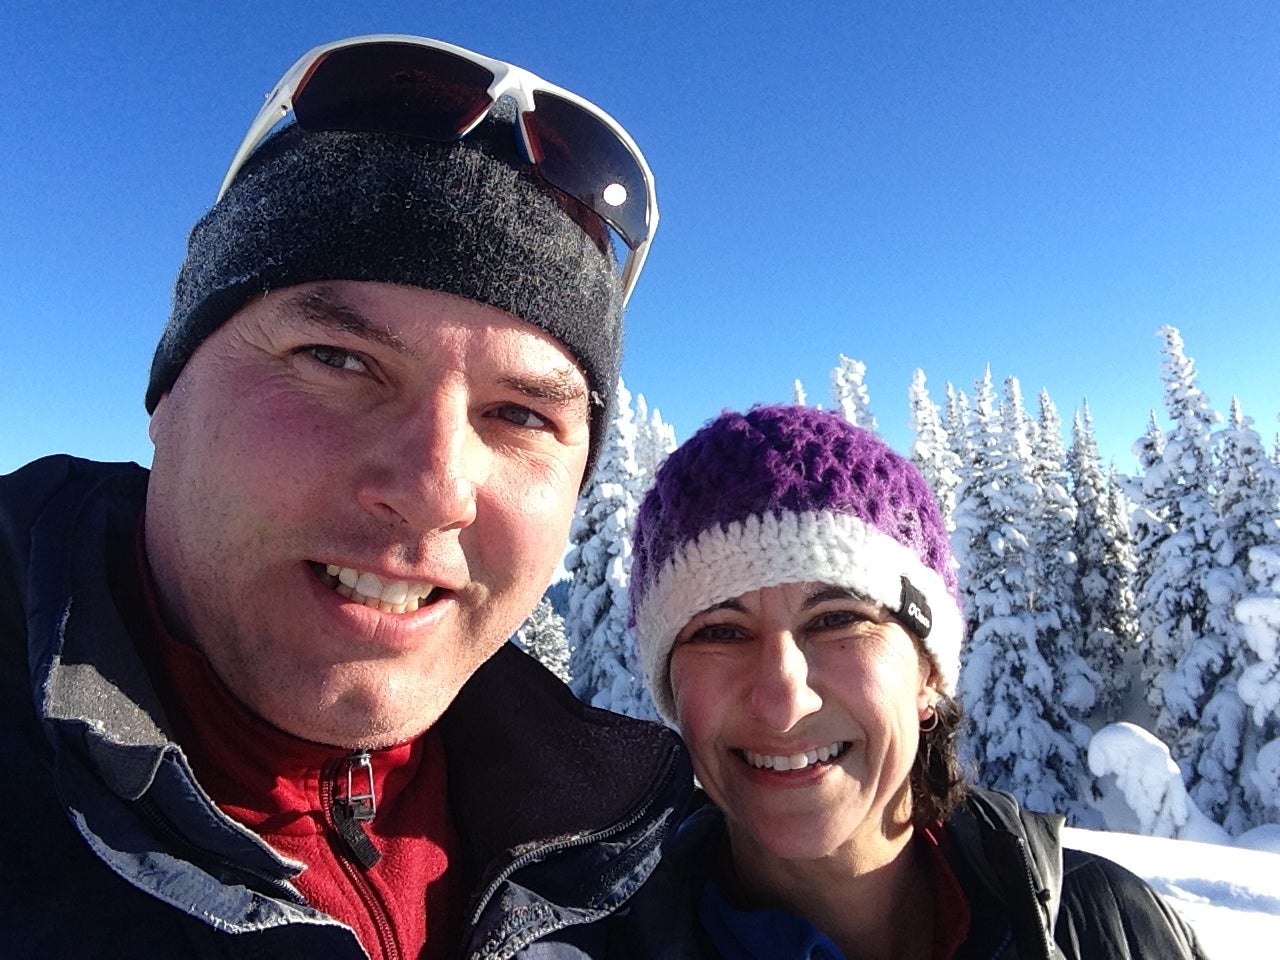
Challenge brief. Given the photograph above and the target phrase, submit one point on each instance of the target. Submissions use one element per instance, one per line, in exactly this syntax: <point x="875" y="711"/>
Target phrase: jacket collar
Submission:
<point x="1016" y="857"/>
<point x="580" y="770"/>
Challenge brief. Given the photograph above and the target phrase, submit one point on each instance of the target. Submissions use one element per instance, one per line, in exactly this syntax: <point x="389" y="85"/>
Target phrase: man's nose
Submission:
<point x="781" y="691"/>
<point x="426" y="470"/>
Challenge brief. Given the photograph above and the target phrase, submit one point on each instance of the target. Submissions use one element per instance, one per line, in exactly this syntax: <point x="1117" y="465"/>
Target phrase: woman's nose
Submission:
<point x="781" y="691"/>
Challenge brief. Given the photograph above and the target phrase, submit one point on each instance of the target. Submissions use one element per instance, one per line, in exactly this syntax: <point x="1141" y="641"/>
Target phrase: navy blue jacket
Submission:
<point x="1029" y="899"/>
<point x="111" y="849"/>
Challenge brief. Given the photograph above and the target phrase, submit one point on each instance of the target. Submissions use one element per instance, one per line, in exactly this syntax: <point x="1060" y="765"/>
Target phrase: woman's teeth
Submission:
<point x="796" y="761"/>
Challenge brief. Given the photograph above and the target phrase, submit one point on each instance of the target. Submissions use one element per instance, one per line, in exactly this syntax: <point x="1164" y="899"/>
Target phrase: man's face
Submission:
<point x="359" y="491"/>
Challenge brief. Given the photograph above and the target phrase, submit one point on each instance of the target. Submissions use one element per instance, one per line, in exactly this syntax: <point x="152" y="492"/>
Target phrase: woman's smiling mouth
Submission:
<point x="798" y="761"/>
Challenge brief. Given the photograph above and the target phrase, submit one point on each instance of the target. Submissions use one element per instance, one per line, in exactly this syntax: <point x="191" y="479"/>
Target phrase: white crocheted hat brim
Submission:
<point x="818" y="547"/>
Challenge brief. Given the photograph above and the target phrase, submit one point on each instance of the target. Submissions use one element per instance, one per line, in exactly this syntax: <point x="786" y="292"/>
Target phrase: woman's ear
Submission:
<point x="930" y="685"/>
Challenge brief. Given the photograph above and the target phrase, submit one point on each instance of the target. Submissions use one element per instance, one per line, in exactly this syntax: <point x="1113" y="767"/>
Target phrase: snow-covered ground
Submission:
<point x="1229" y="894"/>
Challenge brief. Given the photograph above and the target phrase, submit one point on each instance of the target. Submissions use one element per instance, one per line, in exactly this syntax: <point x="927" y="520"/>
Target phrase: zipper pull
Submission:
<point x="363" y="804"/>
<point x="356" y="808"/>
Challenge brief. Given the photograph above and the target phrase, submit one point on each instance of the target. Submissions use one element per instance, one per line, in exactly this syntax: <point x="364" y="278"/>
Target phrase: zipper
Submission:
<point x="347" y="810"/>
<point x="1039" y="895"/>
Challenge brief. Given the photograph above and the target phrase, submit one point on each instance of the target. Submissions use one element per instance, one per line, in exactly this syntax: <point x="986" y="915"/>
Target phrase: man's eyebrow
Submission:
<point x="560" y="387"/>
<point x="321" y="306"/>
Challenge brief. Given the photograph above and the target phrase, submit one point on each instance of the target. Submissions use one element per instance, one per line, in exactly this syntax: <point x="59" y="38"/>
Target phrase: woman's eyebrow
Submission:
<point x="731" y="604"/>
<point x="825" y="592"/>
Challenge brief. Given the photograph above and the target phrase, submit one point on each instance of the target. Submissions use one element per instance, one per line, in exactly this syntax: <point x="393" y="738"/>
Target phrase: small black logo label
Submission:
<point x="914" y="610"/>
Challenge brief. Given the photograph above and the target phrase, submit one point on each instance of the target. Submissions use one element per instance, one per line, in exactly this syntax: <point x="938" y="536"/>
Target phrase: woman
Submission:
<point x="796" y="611"/>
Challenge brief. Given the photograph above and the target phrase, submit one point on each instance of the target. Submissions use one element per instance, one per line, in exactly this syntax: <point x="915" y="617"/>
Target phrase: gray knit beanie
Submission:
<point x="465" y="218"/>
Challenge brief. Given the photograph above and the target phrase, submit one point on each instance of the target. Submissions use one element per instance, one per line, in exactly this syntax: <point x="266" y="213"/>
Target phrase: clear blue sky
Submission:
<point x="1036" y="187"/>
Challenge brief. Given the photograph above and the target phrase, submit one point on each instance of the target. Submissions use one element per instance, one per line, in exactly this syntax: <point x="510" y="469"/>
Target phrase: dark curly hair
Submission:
<point x="938" y="780"/>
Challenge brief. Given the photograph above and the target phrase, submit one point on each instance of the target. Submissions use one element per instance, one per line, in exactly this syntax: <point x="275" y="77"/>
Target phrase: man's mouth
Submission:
<point x="796" y="761"/>
<point x="371" y="590"/>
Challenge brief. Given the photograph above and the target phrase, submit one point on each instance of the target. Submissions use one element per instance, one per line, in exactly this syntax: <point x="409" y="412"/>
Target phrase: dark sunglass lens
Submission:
<point x="578" y="153"/>
<point x="393" y="88"/>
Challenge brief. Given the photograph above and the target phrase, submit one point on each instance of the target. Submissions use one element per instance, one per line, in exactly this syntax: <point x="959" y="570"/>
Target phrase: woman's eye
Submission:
<point x="337" y="358"/>
<point x="715" y="633"/>
<point x="836" y="620"/>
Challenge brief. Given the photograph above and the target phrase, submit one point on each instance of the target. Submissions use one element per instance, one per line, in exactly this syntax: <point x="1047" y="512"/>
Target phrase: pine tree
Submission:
<point x="1149" y="528"/>
<point x="1104" y="571"/>
<point x="798" y="396"/>
<point x="1190" y="635"/>
<point x="956" y="424"/>
<point x="1015" y="721"/>
<point x="603" y="661"/>
<point x="1248" y="506"/>
<point x="931" y="449"/>
<point x="654" y="440"/>
<point x="1121" y="558"/>
<point x="1259" y="617"/>
<point x="849" y="393"/>
<point x="543" y="637"/>
<point x="1057" y="553"/>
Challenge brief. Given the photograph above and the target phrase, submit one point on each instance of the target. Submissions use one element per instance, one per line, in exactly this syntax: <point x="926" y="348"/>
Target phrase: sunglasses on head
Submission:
<point x="390" y="83"/>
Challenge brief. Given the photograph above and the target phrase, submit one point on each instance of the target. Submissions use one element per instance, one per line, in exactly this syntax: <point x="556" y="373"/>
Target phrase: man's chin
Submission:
<point x="358" y="722"/>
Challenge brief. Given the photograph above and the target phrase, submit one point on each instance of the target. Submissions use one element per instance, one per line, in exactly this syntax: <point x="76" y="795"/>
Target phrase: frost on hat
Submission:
<point x="788" y="494"/>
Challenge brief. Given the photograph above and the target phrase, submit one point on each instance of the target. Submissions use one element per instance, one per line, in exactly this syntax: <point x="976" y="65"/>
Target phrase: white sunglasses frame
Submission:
<point x="508" y="80"/>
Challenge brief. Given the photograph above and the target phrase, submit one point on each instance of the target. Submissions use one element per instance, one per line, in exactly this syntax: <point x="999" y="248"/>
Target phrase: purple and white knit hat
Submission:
<point x="786" y="494"/>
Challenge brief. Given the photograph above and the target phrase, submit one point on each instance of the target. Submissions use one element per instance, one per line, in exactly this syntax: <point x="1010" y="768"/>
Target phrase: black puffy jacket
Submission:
<point x="1029" y="898"/>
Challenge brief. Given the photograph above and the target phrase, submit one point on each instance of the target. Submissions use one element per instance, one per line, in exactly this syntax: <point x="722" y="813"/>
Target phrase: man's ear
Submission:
<point x="157" y="415"/>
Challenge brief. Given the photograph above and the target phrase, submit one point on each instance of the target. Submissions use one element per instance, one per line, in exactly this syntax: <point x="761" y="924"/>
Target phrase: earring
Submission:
<point x="930" y="722"/>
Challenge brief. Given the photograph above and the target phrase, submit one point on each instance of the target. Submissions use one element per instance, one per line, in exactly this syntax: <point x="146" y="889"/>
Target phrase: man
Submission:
<point x="251" y="705"/>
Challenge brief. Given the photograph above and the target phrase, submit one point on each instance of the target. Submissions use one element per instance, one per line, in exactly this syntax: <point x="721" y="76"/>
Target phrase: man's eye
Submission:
<point x="337" y="358"/>
<point x="521" y="417"/>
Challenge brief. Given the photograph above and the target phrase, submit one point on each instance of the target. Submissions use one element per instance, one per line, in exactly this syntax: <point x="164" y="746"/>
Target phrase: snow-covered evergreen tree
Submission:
<point x="603" y="661"/>
<point x="1104" y="572"/>
<point x="931" y="448"/>
<point x="1148" y="530"/>
<point x="543" y="636"/>
<point x="849" y="393"/>
<point x="1055" y="520"/>
<point x="1124" y="561"/>
<point x="1057" y="568"/>
<point x="1015" y="719"/>
<point x="1259" y="617"/>
<point x="1249" y="509"/>
<point x="654" y="440"/>
<point x="1190" y="635"/>
<point x="956" y="424"/>
<point x="798" y="396"/>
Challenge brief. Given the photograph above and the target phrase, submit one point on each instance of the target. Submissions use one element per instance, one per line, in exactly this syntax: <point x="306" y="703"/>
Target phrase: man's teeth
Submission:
<point x="796" y="761"/>
<point x="389" y="596"/>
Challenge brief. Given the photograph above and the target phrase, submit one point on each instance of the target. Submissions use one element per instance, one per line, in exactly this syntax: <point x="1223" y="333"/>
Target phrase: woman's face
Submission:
<point x="801" y="705"/>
